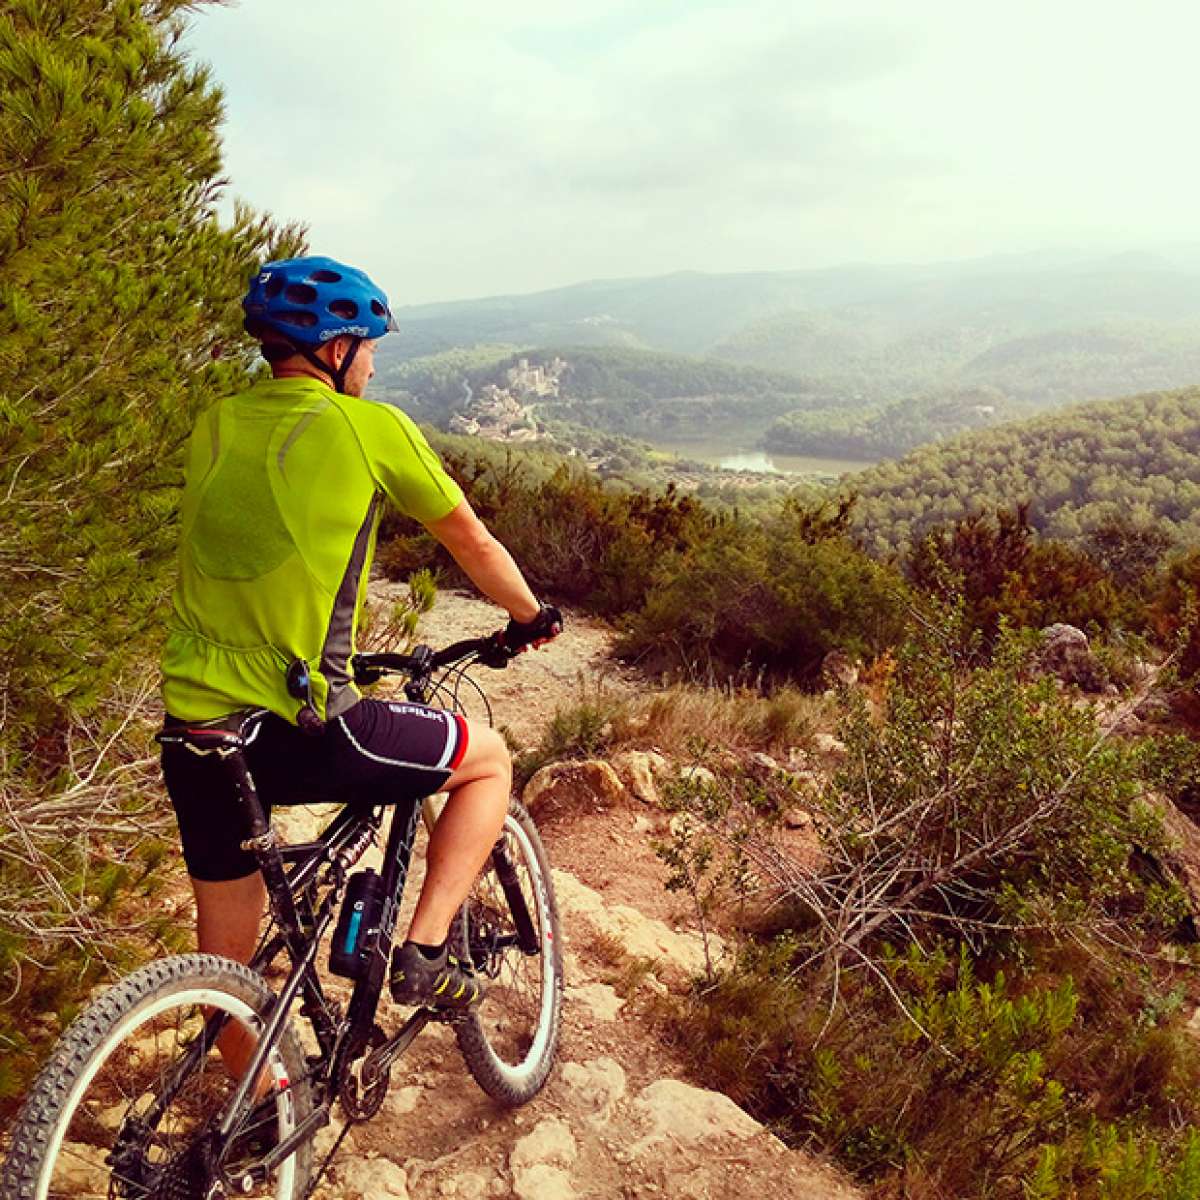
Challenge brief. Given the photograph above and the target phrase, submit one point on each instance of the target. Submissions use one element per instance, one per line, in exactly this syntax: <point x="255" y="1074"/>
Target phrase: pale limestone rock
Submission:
<point x="1066" y="653"/>
<point x="468" y="1186"/>
<point x="372" y="1179"/>
<point x="598" y="998"/>
<point x="541" y="1161"/>
<point x="302" y="822"/>
<point x="572" y="787"/>
<point x="698" y="776"/>
<point x="402" y="1101"/>
<point x="827" y="744"/>
<point x="592" y="1089"/>
<point x="642" y="825"/>
<point x="543" y="1182"/>
<point x="637" y="769"/>
<point x="550" y="1141"/>
<point x="678" y="1111"/>
<point x="642" y="936"/>
<point x="798" y="759"/>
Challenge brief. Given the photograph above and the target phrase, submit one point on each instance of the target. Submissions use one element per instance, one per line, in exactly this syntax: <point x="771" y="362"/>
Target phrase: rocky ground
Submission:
<point x="619" y="1118"/>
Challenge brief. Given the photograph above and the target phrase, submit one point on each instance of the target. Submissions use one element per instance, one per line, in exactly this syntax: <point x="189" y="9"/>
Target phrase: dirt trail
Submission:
<point x="618" y="1119"/>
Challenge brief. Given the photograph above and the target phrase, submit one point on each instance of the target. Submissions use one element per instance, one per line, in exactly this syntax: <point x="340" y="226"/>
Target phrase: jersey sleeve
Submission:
<point x="405" y="466"/>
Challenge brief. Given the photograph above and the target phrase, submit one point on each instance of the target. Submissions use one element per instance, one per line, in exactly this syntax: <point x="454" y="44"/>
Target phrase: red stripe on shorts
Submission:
<point x="461" y="749"/>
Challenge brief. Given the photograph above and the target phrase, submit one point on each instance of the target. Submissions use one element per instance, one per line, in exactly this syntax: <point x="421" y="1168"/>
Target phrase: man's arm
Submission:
<point x="486" y="562"/>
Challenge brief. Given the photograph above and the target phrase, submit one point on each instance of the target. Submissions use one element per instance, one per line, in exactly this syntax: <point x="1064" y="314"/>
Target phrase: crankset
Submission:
<point x="364" y="1086"/>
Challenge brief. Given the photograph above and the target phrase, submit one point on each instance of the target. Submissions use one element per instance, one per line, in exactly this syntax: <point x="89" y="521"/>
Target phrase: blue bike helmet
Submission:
<point x="304" y="302"/>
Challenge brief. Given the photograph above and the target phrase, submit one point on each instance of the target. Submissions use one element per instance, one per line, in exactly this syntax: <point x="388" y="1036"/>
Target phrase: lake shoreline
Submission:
<point x="720" y="453"/>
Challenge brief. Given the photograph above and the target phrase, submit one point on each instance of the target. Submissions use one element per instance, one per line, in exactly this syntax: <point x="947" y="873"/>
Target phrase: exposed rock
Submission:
<point x="680" y="1112"/>
<point x="82" y="1167"/>
<point x="372" y="1179"/>
<point x="592" y="1089"/>
<point x="468" y="1186"/>
<point x="764" y="762"/>
<point x="679" y="955"/>
<point x="828" y="745"/>
<point x="839" y="670"/>
<point x="540" y="1161"/>
<point x="1118" y="716"/>
<point x="542" y="1182"/>
<point x="402" y="1101"/>
<point x="570" y="787"/>
<point x="600" y="1000"/>
<point x="302" y="822"/>
<point x="549" y="1141"/>
<point x="1066" y="653"/>
<point x="638" y="771"/>
<point x="698" y="776"/>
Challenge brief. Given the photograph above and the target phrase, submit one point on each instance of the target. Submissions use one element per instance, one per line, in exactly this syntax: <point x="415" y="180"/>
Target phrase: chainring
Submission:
<point x="359" y="1103"/>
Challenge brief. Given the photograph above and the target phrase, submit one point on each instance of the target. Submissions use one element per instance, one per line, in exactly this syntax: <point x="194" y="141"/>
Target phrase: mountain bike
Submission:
<point x="135" y="1101"/>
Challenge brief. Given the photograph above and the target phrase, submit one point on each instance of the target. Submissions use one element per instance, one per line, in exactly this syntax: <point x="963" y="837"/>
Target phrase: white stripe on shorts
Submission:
<point x="391" y="762"/>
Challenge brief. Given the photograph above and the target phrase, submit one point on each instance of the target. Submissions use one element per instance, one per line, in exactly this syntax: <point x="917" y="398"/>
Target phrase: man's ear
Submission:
<point x="339" y="347"/>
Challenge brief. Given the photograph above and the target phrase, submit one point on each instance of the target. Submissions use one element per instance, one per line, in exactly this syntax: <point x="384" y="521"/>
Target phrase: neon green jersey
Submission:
<point x="284" y="488"/>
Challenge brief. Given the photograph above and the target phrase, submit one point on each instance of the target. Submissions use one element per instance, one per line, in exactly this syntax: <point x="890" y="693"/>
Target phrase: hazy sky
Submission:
<point x="460" y="148"/>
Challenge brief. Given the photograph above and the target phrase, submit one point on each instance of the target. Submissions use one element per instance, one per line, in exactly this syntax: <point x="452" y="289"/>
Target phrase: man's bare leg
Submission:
<point x="228" y="915"/>
<point x="464" y="834"/>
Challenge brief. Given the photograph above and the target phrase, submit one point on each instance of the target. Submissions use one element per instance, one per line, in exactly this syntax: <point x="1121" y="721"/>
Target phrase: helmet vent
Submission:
<point x="300" y="293"/>
<point x="378" y="309"/>
<point x="302" y="320"/>
<point x="344" y="308"/>
<point x="274" y="286"/>
<point x="325" y="276"/>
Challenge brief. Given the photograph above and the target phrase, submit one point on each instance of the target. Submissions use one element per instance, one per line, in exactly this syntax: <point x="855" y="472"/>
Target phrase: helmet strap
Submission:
<point x="337" y="374"/>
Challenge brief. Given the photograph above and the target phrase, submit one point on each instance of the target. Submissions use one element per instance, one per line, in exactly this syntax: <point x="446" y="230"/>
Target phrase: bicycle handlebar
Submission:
<point x="424" y="660"/>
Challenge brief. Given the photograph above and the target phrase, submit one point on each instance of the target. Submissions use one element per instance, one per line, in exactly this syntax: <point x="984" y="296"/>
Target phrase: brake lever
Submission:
<point x="495" y="654"/>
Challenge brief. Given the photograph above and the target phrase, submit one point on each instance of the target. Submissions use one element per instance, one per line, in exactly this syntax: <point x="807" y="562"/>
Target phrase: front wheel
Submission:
<point x="126" y="1106"/>
<point x="510" y="1040"/>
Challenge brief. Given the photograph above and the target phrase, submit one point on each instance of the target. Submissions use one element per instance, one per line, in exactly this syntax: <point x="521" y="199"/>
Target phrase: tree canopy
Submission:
<point x="118" y="321"/>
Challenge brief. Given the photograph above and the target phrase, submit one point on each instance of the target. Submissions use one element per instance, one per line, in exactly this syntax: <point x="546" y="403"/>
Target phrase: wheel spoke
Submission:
<point x="136" y="1088"/>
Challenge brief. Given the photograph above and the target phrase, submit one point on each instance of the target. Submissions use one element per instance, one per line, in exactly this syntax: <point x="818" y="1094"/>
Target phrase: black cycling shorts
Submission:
<point x="379" y="752"/>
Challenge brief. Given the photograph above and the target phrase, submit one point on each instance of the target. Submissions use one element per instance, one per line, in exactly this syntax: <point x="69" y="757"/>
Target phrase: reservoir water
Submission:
<point x="719" y="453"/>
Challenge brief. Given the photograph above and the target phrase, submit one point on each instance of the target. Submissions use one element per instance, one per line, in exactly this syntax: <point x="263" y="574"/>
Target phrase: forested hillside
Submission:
<point x="1137" y="458"/>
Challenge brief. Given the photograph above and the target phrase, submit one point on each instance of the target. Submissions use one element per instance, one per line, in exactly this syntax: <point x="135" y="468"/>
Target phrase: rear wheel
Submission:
<point x="510" y="1040"/>
<point x="127" y="1103"/>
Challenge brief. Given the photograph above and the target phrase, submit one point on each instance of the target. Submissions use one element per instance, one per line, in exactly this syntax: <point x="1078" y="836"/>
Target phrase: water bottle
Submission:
<point x="357" y="925"/>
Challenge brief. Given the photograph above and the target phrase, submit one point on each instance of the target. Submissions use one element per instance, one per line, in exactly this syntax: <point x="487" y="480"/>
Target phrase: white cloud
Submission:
<point x="470" y="147"/>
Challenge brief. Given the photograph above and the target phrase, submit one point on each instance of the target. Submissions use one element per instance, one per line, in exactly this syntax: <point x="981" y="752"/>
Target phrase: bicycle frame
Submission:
<point x="292" y="874"/>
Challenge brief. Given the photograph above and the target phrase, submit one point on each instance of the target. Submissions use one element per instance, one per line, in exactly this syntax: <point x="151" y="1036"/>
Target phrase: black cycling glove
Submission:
<point x="546" y="625"/>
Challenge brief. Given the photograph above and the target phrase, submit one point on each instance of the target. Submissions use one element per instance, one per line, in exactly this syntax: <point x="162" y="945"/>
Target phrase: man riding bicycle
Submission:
<point x="284" y="487"/>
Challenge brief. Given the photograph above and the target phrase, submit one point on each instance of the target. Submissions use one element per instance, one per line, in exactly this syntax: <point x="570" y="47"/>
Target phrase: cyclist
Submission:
<point x="284" y="485"/>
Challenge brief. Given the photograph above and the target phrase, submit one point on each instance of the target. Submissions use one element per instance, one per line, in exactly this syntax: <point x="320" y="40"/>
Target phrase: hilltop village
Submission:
<point x="505" y="414"/>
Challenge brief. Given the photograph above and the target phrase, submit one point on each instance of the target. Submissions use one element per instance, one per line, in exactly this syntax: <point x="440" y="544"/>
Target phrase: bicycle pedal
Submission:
<point x="448" y="1016"/>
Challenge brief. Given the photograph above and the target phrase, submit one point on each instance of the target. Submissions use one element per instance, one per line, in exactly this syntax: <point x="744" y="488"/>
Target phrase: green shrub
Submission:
<point x="1004" y="573"/>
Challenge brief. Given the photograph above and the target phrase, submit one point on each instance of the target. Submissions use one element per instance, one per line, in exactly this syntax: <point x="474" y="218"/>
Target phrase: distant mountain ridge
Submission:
<point x="1042" y="330"/>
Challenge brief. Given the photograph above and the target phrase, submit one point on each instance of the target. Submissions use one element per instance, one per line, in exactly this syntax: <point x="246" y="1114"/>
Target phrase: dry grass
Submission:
<point x="735" y="721"/>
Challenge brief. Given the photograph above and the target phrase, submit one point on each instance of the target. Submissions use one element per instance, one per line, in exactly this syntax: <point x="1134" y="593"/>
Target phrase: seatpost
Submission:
<point x="263" y="845"/>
